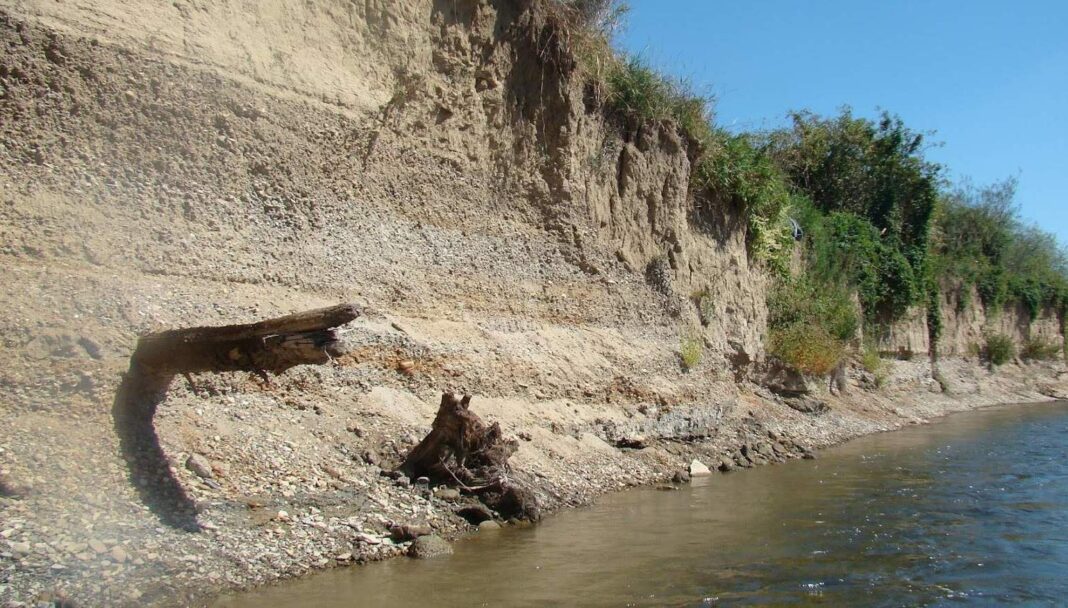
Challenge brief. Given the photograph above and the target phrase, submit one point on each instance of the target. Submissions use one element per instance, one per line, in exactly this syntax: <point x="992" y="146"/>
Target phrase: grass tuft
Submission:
<point x="691" y="350"/>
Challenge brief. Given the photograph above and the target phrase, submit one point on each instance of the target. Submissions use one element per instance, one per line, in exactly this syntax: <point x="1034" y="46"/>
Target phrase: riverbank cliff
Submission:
<point x="436" y="163"/>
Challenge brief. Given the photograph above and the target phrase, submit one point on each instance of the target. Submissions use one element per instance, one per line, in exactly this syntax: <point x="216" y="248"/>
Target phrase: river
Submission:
<point x="971" y="510"/>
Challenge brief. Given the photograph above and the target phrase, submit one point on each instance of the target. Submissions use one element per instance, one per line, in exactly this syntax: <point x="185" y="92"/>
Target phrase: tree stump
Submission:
<point x="462" y="451"/>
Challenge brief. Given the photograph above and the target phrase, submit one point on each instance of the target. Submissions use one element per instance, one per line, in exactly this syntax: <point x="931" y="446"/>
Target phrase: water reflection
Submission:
<point x="972" y="509"/>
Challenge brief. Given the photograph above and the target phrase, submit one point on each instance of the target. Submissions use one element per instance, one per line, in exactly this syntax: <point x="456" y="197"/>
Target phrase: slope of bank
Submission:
<point x="167" y="166"/>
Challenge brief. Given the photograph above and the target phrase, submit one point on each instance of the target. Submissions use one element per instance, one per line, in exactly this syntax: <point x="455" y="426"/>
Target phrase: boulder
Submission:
<point x="698" y="468"/>
<point x="426" y="547"/>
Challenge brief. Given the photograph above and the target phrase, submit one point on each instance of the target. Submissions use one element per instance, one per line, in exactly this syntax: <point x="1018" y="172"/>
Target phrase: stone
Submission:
<point x="403" y="533"/>
<point x="449" y="494"/>
<point x="489" y="524"/>
<point x="97" y="546"/>
<point x="634" y="442"/>
<point x="367" y="539"/>
<point x="475" y="514"/>
<point x="681" y="477"/>
<point x="807" y="405"/>
<point x="20" y="548"/>
<point x="698" y="468"/>
<point x="726" y="465"/>
<point x="426" y="547"/>
<point x="199" y="466"/>
<point x="808" y="456"/>
<point x="119" y="555"/>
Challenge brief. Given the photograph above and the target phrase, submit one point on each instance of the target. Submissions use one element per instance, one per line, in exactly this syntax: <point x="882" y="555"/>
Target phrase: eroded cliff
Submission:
<point x="443" y="165"/>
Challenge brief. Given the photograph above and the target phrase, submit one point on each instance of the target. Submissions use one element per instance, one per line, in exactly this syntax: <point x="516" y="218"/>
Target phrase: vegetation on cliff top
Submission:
<point x="878" y="218"/>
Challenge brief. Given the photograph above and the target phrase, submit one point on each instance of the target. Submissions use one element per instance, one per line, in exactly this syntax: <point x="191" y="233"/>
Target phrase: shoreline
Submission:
<point x="253" y="539"/>
<point x="667" y="479"/>
<point x="161" y="176"/>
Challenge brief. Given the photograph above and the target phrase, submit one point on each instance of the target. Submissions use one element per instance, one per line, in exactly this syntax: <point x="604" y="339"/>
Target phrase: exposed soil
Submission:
<point x="186" y="164"/>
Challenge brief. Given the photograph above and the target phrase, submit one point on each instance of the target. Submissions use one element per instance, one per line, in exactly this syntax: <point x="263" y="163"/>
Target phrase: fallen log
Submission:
<point x="463" y="452"/>
<point x="274" y="345"/>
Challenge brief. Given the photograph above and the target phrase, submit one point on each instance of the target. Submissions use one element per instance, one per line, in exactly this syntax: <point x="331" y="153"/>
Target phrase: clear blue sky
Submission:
<point x="991" y="78"/>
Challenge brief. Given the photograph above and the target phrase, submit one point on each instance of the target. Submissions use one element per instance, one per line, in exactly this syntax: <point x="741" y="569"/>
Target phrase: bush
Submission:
<point x="999" y="349"/>
<point x="811" y="325"/>
<point x="801" y="301"/>
<point x="981" y="241"/>
<point x="736" y="170"/>
<point x="810" y="349"/>
<point x="690" y="351"/>
<point x="874" y="364"/>
<point x="1037" y="348"/>
<point x="658" y="274"/>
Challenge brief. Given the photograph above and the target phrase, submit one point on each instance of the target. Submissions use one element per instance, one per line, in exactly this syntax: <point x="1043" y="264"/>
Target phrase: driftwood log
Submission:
<point x="274" y="345"/>
<point x="462" y="451"/>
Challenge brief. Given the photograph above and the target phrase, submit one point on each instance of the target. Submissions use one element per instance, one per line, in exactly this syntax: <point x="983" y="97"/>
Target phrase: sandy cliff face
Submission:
<point x="438" y="163"/>
<point x="966" y="323"/>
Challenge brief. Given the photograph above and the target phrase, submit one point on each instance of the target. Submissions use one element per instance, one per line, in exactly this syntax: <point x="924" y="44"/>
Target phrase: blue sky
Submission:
<point x="991" y="78"/>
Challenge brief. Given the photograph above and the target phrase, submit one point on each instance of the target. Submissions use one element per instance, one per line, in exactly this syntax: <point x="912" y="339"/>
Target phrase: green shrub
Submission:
<point x="737" y="170"/>
<point x="1037" y="348"/>
<point x="690" y="351"/>
<point x="999" y="349"/>
<point x="811" y="325"/>
<point x="809" y="349"/>
<point x="801" y="301"/>
<point x="981" y="241"/>
<point x="873" y="363"/>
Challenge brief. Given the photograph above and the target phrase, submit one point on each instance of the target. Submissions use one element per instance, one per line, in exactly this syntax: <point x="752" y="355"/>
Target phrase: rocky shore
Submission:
<point x="285" y="483"/>
<point x="161" y="167"/>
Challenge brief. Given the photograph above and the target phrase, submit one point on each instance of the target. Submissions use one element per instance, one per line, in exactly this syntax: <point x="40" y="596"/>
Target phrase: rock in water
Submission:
<point x="426" y="547"/>
<point x="698" y="468"/>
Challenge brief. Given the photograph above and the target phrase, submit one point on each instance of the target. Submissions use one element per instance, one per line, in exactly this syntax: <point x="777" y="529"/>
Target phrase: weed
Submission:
<point x="999" y="349"/>
<point x="1037" y="348"/>
<point x="690" y="351"/>
<point x="874" y="364"/>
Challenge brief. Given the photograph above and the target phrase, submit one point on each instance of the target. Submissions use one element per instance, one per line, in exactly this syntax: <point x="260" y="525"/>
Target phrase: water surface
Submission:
<point x="972" y="510"/>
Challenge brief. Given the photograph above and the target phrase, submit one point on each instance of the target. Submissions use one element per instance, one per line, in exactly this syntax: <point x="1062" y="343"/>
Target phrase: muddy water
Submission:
<point x="971" y="510"/>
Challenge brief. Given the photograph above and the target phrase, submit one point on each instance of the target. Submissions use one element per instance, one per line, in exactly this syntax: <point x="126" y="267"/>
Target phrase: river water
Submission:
<point x="972" y="510"/>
